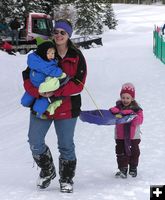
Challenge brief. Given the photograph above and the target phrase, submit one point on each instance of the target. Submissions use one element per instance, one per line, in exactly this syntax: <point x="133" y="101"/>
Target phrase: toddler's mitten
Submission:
<point x="50" y="84"/>
<point x="114" y="110"/>
<point x="53" y="106"/>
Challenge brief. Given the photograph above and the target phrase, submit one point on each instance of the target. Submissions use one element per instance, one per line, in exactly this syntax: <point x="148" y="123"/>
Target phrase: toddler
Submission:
<point x="45" y="75"/>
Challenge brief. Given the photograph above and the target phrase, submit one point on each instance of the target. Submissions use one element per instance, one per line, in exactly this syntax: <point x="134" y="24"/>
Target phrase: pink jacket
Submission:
<point x="134" y="130"/>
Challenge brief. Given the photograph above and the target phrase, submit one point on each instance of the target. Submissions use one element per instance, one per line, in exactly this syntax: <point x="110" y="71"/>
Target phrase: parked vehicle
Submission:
<point x="87" y="42"/>
<point x="36" y="25"/>
<point x="41" y="25"/>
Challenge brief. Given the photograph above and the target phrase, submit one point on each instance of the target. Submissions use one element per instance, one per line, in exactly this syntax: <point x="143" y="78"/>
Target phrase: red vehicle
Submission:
<point x="41" y="25"/>
<point x="36" y="24"/>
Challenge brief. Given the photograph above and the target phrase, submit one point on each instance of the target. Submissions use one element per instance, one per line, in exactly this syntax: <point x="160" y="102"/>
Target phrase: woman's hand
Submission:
<point x="47" y="94"/>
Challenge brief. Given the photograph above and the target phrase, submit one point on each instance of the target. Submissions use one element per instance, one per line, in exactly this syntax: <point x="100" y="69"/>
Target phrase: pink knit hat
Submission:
<point x="128" y="88"/>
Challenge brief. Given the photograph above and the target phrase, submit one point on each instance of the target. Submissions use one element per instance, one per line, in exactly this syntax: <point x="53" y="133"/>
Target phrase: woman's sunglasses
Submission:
<point x="56" y="32"/>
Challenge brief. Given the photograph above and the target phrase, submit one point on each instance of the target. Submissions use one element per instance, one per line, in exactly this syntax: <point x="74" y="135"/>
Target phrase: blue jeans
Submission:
<point x="64" y="128"/>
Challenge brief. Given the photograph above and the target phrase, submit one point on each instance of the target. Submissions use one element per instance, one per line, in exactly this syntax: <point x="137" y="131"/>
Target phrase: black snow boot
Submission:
<point x="133" y="171"/>
<point x="48" y="172"/>
<point x="122" y="173"/>
<point x="67" y="172"/>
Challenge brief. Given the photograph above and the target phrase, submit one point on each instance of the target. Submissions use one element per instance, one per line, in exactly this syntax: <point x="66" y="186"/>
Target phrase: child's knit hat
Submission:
<point x="43" y="46"/>
<point x="128" y="88"/>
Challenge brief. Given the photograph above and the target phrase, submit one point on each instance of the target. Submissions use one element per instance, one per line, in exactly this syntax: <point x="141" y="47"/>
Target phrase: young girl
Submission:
<point x="128" y="135"/>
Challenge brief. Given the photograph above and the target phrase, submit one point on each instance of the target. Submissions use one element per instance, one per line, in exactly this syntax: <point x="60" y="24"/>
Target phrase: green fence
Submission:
<point x="159" y="44"/>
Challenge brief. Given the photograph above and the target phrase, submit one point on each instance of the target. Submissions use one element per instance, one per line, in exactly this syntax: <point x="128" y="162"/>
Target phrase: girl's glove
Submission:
<point x="114" y="110"/>
<point x="127" y="112"/>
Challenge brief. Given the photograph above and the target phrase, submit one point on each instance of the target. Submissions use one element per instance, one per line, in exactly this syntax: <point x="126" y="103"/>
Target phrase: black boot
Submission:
<point x="67" y="172"/>
<point x="122" y="173"/>
<point x="133" y="171"/>
<point x="48" y="172"/>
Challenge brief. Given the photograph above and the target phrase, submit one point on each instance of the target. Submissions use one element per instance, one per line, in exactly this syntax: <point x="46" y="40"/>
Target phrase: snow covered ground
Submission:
<point x="126" y="56"/>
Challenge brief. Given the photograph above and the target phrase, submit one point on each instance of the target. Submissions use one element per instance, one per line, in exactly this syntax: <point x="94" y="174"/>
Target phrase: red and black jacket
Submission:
<point x="74" y="65"/>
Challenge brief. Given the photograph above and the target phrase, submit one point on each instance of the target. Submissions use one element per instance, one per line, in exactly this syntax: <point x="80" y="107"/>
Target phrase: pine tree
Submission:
<point x="88" y="18"/>
<point x="23" y="7"/>
<point x="20" y="8"/>
<point x="34" y="6"/>
<point x="109" y="16"/>
<point x="48" y="6"/>
<point x="5" y="8"/>
<point x="65" y="11"/>
<point x="92" y="15"/>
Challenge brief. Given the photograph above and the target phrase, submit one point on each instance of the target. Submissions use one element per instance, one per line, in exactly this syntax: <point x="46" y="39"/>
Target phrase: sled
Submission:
<point x="105" y="117"/>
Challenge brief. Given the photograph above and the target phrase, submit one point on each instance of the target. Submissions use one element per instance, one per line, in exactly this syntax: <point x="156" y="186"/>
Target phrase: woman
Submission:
<point x="72" y="62"/>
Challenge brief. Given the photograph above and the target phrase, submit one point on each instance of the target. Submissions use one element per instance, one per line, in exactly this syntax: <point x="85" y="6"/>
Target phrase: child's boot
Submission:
<point x="122" y="173"/>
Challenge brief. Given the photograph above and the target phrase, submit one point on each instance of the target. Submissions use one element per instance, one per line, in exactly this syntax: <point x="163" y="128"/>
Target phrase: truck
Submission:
<point x="41" y="25"/>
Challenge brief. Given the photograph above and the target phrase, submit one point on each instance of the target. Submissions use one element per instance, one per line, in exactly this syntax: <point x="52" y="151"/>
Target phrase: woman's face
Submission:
<point x="60" y="36"/>
<point x="126" y="99"/>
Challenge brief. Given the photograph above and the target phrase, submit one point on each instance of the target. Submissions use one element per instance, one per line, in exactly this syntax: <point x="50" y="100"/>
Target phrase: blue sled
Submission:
<point x="105" y="117"/>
